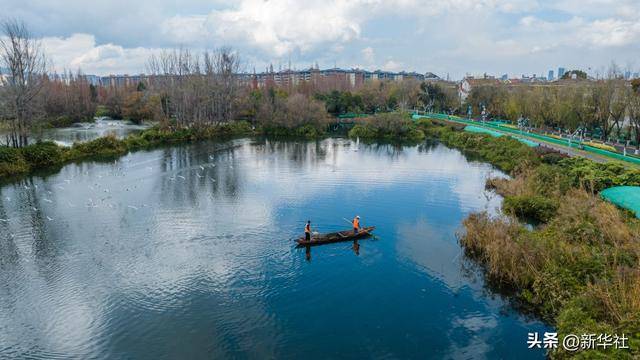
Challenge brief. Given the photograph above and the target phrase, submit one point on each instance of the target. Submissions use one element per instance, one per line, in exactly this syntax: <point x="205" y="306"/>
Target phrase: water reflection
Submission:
<point x="355" y="247"/>
<point x="185" y="252"/>
<point x="82" y="132"/>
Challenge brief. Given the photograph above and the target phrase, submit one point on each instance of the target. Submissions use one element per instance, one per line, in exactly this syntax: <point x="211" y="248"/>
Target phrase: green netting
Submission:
<point x="627" y="197"/>
<point x="352" y="116"/>
<point x="477" y="129"/>
<point x="573" y="144"/>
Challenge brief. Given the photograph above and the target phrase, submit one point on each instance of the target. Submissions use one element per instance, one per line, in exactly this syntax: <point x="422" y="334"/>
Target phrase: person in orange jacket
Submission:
<point x="356" y="224"/>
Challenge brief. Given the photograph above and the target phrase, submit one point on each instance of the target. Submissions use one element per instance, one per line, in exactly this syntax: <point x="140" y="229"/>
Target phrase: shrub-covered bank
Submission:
<point x="579" y="268"/>
<point x="47" y="155"/>
<point x="388" y="127"/>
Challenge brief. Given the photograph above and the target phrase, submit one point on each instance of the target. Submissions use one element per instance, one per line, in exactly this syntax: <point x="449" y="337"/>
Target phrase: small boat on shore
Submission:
<point x="335" y="237"/>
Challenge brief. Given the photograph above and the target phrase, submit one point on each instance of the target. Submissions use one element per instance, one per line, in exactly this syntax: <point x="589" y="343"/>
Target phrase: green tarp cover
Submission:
<point x="627" y="197"/>
<point x="477" y="129"/>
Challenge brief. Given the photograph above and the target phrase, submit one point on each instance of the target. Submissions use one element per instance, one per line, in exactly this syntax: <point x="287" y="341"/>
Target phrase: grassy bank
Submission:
<point x="579" y="268"/>
<point x="48" y="155"/>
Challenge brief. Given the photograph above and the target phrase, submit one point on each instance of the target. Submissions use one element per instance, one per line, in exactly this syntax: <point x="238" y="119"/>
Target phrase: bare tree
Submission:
<point x="22" y="55"/>
<point x="634" y="115"/>
<point x="196" y="90"/>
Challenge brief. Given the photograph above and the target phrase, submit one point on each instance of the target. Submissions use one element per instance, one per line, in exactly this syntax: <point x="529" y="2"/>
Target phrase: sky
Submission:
<point x="446" y="37"/>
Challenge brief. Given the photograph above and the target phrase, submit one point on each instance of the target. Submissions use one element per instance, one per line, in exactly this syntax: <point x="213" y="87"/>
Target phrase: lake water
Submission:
<point x="186" y="252"/>
<point x="82" y="132"/>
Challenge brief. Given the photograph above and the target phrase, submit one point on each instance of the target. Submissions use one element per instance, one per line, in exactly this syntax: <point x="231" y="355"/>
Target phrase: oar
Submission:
<point x="372" y="235"/>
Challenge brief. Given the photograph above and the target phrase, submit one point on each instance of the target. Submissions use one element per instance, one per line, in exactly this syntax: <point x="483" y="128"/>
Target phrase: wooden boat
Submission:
<point x="335" y="237"/>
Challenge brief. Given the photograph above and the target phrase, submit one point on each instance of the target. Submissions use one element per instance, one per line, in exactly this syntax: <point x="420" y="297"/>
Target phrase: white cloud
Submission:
<point x="578" y="32"/>
<point x="80" y="51"/>
<point x="369" y="54"/>
<point x="392" y="65"/>
<point x="455" y="36"/>
<point x="281" y="27"/>
<point x="275" y="27"/>
<point x="612" y="32"/>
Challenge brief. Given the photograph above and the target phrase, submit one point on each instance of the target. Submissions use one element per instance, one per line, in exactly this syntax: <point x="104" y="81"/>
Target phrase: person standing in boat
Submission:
<point x="307" y="231"/>
<point x="356" y="224"/>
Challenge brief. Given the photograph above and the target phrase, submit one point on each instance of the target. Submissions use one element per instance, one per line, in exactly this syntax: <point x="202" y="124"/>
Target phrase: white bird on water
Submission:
<point x="50" y="219"/>
<point x="47" y="200"/>
<point x="26" y="187"/>
<point x="201" y="167"/>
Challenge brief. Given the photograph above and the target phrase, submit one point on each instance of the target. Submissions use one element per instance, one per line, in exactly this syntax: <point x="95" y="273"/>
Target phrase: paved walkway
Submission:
<point x="571" y="151"/>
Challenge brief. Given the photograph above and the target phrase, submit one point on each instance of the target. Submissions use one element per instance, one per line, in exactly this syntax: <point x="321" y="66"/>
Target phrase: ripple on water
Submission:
<point x="140" y="263"/>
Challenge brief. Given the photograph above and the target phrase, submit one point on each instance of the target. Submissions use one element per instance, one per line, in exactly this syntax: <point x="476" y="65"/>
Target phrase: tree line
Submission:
<point x="187" y="89"/>
<point x="608" y="109"/>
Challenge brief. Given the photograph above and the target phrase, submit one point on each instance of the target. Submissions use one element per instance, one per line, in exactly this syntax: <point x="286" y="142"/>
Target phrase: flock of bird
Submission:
<point x="97" y="188"/>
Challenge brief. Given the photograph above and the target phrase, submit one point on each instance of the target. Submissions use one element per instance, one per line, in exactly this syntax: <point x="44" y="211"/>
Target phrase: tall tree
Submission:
<point x="634" y="115"/>
<point x="22" y="55"/>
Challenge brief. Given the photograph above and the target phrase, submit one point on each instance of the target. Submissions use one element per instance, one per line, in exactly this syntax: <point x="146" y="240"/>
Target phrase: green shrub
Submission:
<point x="415" y="135"/>
<point x="363" y="131"/>
<point x="12" y="162"/>
<point x="536" y="208"/>
<point x="105" y="147"/>
<point x="101" y="111"/>
<point x="307" y="131"/>
<point x="42" y="154"/>
<point x="391" y="127"/>
<point x="236" y="128"/>
<point x="134" y="142"/>
<point x="62" y="121"/>
<point x="423" y="122"/>
<point x="504" y="152"/>
<point x="599" y="176"/>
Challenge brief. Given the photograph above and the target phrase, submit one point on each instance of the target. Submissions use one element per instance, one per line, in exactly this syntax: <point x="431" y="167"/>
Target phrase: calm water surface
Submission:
<point x="82" y="132"/>
<point x="187" y="252"/>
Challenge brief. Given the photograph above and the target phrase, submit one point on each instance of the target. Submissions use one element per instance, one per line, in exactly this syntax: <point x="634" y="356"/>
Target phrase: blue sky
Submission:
<point x="443" y="36"/>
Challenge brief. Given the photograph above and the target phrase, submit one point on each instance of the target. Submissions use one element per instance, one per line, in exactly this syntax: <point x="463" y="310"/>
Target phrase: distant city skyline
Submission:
<point x="444" y="37"/>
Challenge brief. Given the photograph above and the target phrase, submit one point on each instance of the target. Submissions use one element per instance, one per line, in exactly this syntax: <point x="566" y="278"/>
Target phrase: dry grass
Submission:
<point x="580" y="270"/>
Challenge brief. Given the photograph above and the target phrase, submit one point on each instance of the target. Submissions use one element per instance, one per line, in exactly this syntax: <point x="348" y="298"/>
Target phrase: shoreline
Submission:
<point x="554" y="271"/>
